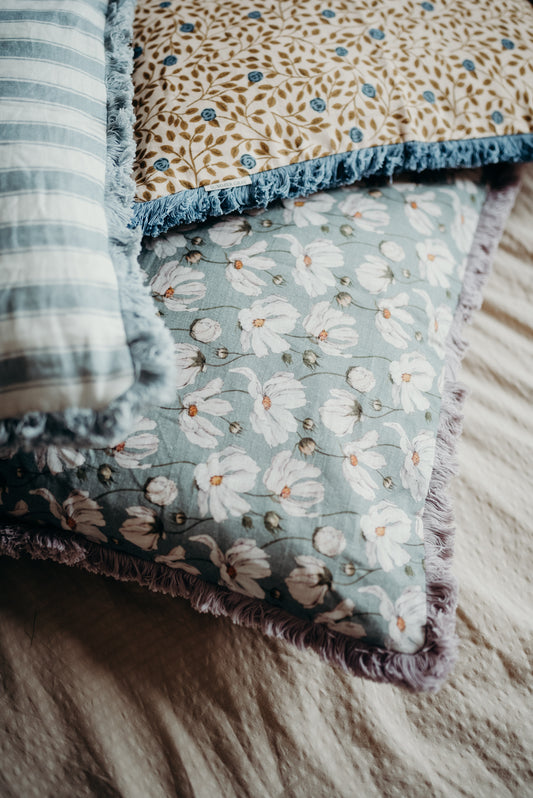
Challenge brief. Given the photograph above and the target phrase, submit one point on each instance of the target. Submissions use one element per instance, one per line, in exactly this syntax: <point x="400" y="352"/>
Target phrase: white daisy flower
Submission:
<point x="139" y="444"/>
<point x="222" y="479"/>
<point x="389" y="319"/>
<point x="331" y="328"/>
<point x="385" y="527"/>
<point x="336" y="620"/>
<point x="198" y="429"/>
<point x="161" y="491"/>
<point x="375" y="274"/>
<point x="240" y="566"/>
<point x="358" y="457"/>
<point x="273" y="401"/>
<point x="57" y="458"/>
<point x="421" y="210"/>
<point x="392" y="250"/>
<point x="406" y="617"/>
<point x="230" y="232"/>
<point x="78" y="513"/>
<point x="308" y="211"/>
<point x="189" y="362"/>
<point x="139" y="528"/>
<point x="412" y="375"/>
<point x="361" y="379"/>
<point x="419" y="458"/>
<point x="436" y="262"/>
<point x="365" y="212"/>
<point x="165" y="244"/>
<point x="439" y="323"/>
<point x="340" y="412"/>
<point x="264" y="323"/>
<point x="293" y="482"/>
<point x="175" y="559"/>
<point x="314" y="263"/>
<point x="240" y="264"/>
<point x="178" y="286"/>
<point x="310" y="582"/>
<point x="329" y="541"/>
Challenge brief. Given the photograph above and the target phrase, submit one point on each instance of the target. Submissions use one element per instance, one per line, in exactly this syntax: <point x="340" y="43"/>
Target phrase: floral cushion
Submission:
<point x="291" y="472"/>
<point x="239" y="104"/>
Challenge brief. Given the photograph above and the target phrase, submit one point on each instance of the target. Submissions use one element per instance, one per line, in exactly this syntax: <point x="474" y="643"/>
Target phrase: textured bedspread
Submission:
<point x="109" y="690"/>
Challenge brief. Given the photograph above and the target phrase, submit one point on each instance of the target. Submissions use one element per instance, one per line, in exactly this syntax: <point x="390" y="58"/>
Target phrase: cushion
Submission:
<point x="297" y="480"/>
<point x="266" y="100"/>
<point x="80" y="348"/>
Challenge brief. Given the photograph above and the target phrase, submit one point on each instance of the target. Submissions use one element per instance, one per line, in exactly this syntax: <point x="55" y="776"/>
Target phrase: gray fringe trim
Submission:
<point x="427" y="668"/>
<point x="149" y="342"/>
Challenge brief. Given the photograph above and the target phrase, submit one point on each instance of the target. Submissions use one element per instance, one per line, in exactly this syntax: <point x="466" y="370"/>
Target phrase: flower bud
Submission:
<point x="346" y="230"/>
<point x="345" y="281"/>
<point x="271" y="520"/>
<point x="308" y="424"/>
<point x="205" y="330"/>
<point x="222" y="353"/>
<point x="193" y="256"/>
<point x="307" y="446"/>
<point x="343" y="299"/>
<point x="377" y="405"/>
<point x="235" y="428"/>
<point x="181" y="518"/>
<point x="310" y="358"/>
<point x="197" y="241"/>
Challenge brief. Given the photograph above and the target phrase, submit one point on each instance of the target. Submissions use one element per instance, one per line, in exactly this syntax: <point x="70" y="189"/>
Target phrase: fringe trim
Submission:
<point x="149" y="341"/>
<point x="424" y="670"/>
<point x="301" y="179"/>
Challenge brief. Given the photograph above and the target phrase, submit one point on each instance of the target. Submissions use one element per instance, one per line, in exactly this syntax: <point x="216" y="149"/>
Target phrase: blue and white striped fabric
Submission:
<point x="62" y="338"/>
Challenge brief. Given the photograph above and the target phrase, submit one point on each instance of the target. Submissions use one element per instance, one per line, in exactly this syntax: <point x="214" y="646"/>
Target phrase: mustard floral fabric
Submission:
<point x="294" y="462"/>
<point x="228" y="90"/>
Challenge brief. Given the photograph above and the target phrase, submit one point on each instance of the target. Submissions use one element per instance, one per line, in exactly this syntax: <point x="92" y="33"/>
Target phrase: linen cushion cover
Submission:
<point x="282" y="99"/>
<point x="76" y="326"/>
<point x="302" y="463"/>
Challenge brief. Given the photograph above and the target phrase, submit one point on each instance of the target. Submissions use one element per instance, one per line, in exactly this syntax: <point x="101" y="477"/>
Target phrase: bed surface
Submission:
<point x="110" y="690"/>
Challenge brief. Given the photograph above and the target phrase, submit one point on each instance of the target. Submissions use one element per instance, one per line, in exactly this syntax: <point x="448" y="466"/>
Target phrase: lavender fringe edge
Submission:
<point x="427" y="668"/>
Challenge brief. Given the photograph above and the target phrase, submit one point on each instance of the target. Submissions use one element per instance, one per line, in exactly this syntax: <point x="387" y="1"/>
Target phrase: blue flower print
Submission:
<point x="469" y="65"/>
<point x="187" y="27"/>
<point x="254" y="15"/>
<point x="376" y="33"/>
<point x="356" y="135"/>
<point x="318" y="104"/>
<point x="255" y="76"/>
<point x="341" y="51"/>
<point x="170" y="60"/>
<point x="368" y="90"/>
<point x="427" y="6"/>
<point x="507" y="44"/>
<point x="162" y="164"/>
<point x="496" y="117"/>
<point x="248" y="161"/>
<point x="328" y="13"/>
<point x="429" y="96"/>
<point x="208" y="114"/>
<point x="165" y="4"/>
<point x="137" y="51"/>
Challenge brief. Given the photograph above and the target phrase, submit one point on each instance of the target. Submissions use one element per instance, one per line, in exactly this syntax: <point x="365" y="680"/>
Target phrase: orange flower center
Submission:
<point x="71" y="523"/>
<point x="216" y="480"/>
<point x="258" y="322"/>
<point x="299" y="204"/>
<point x="431" y="257"/>
<point x="286" y="492"/>
<point x="267" y="402"/>
<point x="387" y="313"/>
<point x="462" y="219"/>
<point x="169" y="292"/>
<point x="307" y="260"/>
<point x="353" y="460"/>
<point x="120" y="446"/>
<point x="322" y="335"/>
<point x="415" y="458"/>
<point x="413" y="205"/>
<point x="357" y="215"/>
<point x="400" y="623"/>
<point x="237" y="264"/>
<point x="406" y="377"/>
<point x="380" y="531"/>
<point x="436" y="325"/>
<point x="192" y="411"/>
<point x="232" y="572"/>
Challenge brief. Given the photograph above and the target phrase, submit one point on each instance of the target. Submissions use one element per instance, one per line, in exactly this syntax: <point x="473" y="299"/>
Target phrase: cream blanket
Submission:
<point x="109" y="690"/>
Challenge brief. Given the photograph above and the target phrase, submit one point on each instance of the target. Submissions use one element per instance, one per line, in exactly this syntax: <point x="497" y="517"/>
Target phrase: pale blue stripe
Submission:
<point x="30" y="50"/>
<point x="22" y="89"/>
<point x="42" y="133"/>
<point x="20" y="181"/>
<point x="67" y="19"/>
<point x="52" y="234"/>
<point x="28" y="299"/>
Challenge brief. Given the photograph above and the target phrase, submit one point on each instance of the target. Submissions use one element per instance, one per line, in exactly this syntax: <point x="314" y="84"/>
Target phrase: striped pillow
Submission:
<point x="77" y="332"/>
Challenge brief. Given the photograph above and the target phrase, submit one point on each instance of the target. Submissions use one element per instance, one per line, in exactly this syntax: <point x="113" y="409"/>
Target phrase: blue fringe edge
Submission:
<point x="299" y="180"/>
<point x="149" y="342"/>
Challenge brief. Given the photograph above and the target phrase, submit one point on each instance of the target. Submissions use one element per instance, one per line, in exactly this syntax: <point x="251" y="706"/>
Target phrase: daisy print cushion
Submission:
<point x="291" y="472"/>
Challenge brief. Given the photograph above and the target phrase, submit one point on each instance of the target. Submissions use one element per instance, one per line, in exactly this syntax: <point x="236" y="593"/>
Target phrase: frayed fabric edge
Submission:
<point x="301" y="179"/>
<point x="423" y="670"/>
<point x="149" y="342"/>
